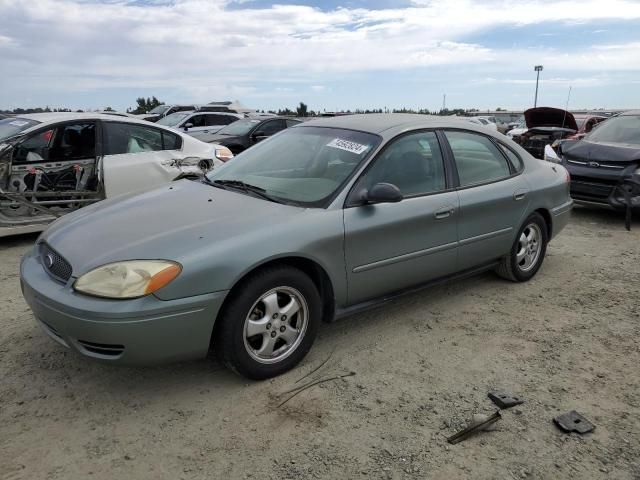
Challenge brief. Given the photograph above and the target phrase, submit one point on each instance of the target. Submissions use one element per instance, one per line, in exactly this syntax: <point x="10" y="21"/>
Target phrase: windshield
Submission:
<point x="303" y="166"/>
<point x="241" y="127"/>
<point x="173" y="120"/>
<point x="160" y="109"/>
<point x="624" y="129"/>
<point x="13" y="126"/>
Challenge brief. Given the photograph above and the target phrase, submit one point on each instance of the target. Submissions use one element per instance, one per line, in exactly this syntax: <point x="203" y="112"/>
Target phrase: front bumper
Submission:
<point x="597" y="185"/>
<point x="142" y="331"/>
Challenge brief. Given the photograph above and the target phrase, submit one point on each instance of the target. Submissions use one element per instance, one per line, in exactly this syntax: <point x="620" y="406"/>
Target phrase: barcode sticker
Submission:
<point x="352" y="147"/>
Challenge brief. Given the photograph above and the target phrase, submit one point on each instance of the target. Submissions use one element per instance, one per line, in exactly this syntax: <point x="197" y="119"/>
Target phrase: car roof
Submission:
<point x="588" y="115"/>
<point x="55" y="117"/>
<point x="630" y="113"/>
<point x="62" y="116"/>
<point x="205" y="112"/>
<point x="378" y="123"/>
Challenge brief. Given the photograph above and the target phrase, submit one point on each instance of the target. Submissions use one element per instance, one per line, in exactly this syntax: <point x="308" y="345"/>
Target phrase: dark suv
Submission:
<point x="605" y="165"/>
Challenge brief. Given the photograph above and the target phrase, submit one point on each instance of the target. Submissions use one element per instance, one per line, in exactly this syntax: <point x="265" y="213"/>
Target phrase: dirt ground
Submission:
<point x="423" y="365"/>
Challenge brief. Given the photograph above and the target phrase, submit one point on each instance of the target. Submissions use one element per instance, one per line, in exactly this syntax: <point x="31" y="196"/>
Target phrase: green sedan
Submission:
<point x="315" y="223"/>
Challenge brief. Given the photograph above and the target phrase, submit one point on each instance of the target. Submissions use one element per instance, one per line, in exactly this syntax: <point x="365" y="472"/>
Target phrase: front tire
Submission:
<point x="527" y="252"/>
<point x="269" y="323"/>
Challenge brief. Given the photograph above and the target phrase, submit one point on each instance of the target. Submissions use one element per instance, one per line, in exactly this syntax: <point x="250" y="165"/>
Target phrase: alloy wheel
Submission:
<point x="529" y="247"/>
<point x="275" y="325"/>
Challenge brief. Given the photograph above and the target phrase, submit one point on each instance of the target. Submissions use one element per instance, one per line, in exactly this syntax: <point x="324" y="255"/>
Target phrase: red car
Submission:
<point x="585" y="124"/>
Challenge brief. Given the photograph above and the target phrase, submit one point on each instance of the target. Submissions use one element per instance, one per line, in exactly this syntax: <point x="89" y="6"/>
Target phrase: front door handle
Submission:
<point x="444" y="212"/>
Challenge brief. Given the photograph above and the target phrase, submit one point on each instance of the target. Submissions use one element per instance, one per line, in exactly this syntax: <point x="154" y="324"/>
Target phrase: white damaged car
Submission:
<point x="54" y="163"/>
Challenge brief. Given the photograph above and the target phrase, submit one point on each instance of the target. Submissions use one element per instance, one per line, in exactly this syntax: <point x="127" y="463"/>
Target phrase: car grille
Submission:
<point x="102" y="348"/>
<point x="607" y="165"/>
<point x="591" y="189"/>
<point x="54" y="263"/>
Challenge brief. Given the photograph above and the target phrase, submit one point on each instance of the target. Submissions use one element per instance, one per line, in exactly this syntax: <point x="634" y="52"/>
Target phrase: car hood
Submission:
<point x="169" y="222"/>
<point x="584" y="150"/>
<point x="224" y="139"/>
<point x="550" y="117"/>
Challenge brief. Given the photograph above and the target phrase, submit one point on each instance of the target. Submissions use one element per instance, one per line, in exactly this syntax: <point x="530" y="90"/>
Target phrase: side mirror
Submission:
<point x="187" y="126"/>
<point x="259" y="135"/>
<point x="381" y="193"/>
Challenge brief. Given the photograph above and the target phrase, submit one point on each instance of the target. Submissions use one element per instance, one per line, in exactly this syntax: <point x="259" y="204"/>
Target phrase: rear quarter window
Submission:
<point x="514" y="158"/>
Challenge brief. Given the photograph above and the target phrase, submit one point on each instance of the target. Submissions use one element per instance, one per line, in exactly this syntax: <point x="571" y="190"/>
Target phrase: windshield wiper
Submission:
<point x="246" y="187"/>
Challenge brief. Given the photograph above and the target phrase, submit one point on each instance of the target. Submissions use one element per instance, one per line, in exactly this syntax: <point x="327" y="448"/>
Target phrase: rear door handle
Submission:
<point x="444" y="212"/>
<point x="519" y="194"/>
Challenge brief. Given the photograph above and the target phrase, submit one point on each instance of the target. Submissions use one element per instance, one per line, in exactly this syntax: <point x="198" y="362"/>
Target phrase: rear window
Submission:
<point x="124" y="138"/>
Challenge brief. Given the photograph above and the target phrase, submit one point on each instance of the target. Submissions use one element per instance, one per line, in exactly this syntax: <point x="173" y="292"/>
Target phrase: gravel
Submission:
<point x="566" y="340"/>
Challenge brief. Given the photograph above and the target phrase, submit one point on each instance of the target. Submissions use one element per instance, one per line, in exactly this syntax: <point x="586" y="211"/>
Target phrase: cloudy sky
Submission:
<point x="330" y="54"/>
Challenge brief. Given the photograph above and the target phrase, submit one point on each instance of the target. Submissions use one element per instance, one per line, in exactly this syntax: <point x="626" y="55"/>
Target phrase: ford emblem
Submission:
<point x="48" y="260"/>
<point x="594" y="164"/>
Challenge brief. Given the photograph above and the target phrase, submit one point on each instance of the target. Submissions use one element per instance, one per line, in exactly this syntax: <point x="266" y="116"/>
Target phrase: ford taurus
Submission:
<point x="314" y="223"/>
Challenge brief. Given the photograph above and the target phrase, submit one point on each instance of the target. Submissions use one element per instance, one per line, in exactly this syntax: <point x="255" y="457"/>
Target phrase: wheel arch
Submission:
<point x="311" y="267"/>
<point x="544" y="213"/>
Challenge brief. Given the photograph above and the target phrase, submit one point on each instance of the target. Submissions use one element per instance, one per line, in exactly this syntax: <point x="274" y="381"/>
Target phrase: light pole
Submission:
<point x="538" y="69"/>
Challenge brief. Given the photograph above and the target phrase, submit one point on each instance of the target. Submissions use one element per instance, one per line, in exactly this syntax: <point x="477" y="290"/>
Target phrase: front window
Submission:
<point x="241" y="127"/>
<point x="159" y="110"/>
<point x="172" y="120"/>
<point x="624" y="129"/>
<point x="13" y="126"/>
<point x="66" y="142"/>
<point x="413" y="163"/>
<point x="304" y="166"/>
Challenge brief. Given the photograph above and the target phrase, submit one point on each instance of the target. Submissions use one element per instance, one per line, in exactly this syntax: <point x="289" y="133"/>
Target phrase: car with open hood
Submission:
<point x="54" y="163"/>
<point x="605" y="164"/>
<point x="314" y="223"/>
<point x="544" y="125"/>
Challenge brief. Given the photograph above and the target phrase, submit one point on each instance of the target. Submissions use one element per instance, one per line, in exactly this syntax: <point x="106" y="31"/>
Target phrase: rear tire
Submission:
<point x="269" y="323"/>
<point x="527" y="252"/>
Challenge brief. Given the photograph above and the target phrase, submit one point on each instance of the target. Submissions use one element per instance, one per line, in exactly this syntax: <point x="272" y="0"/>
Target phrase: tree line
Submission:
<point x="145" y="105"/>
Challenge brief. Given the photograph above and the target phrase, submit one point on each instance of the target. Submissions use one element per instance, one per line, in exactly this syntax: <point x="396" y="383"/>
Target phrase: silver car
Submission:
<point x="197" y="123"/>
<point x="312" y="224"/>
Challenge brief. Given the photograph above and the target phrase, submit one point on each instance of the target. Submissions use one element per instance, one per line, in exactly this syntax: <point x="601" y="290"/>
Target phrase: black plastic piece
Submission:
<point x="505" y="400"/>
<point x="573" y="422"/>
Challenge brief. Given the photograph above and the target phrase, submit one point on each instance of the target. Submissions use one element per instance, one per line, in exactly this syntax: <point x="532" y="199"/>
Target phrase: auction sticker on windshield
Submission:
<point x="19" y="123"/>
<point x="352" y="147"/>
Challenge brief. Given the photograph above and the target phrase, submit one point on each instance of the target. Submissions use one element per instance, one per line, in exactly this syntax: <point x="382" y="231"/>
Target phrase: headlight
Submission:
<point x="223" y="153"/>
<point x="550" y="155"/>
<point x="129" y="279"/>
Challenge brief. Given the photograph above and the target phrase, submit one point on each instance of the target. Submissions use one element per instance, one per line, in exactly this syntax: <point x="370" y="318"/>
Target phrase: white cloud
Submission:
<point x="206" y="50"/>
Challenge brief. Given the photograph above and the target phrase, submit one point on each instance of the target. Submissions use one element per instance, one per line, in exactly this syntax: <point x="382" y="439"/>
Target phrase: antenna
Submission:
<point x="566" y="106"/>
